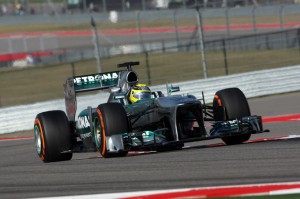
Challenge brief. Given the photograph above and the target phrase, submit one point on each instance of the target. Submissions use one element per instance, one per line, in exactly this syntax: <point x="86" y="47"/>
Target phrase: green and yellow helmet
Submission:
<point x="138" y="92"/>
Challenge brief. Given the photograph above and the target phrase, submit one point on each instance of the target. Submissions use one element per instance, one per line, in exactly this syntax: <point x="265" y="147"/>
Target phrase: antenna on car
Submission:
<point x="128" y="64"/>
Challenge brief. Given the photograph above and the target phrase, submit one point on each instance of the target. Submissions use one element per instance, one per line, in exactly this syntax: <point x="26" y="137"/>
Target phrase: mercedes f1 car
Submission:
<point x="163" y="122"/>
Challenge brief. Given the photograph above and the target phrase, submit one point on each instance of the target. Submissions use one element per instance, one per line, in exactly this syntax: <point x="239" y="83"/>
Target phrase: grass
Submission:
<point x="33" y="84"/>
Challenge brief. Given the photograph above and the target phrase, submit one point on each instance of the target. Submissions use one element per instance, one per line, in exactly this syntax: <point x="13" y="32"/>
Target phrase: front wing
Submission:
<point x="220" y="129"/>
<point x="153" y="140"/>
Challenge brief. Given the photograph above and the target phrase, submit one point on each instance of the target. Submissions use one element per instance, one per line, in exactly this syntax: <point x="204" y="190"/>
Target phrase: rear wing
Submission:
<point x="98" y="81"/>
<point x="85" y="83"/>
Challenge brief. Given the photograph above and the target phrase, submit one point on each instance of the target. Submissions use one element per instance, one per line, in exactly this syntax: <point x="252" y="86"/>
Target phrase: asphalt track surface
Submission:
<point x="201" y="164"/>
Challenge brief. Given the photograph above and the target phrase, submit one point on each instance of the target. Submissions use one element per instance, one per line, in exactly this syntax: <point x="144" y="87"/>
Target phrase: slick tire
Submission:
<point x="52" y="135"/>
<point x="110" y="119"/>
<point x="229" y="104"/>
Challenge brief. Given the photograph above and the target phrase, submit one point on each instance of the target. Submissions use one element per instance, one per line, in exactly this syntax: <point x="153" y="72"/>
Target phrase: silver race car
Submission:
<point x="153" y="121"/>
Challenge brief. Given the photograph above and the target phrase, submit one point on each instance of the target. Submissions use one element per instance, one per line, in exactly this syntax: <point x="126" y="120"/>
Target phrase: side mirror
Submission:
<point x="120" y="95"/>
<point x="172" y="89"/>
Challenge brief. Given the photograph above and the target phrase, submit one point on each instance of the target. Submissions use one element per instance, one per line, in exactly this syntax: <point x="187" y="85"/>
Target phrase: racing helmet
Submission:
<point x="138" y="92"/>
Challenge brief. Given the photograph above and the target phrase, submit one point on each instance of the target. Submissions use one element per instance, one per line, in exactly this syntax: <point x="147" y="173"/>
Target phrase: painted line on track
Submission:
<point x="282" y="118"/>
<point x="16" y="138"/>
<point x="228" y="191"/>
<point x="201" y="192"/>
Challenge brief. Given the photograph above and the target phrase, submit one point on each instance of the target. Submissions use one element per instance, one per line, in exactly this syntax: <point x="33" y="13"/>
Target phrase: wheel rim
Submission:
<point x="97" y="132"/>
<point x="37" y="140"/>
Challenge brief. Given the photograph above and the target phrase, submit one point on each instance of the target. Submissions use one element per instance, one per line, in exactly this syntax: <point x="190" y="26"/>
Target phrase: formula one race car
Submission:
<point x="153" y="122"/>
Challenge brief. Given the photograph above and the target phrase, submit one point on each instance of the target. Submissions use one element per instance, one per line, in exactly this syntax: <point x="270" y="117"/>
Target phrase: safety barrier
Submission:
<point x="253" y="84"/>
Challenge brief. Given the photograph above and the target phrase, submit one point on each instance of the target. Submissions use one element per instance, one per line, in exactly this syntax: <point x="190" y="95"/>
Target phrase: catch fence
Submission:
<point x="259" y="51"/>
<point x="160" y="63"/>
<point x="171" y="55"/>
<point x="55" y="7"/>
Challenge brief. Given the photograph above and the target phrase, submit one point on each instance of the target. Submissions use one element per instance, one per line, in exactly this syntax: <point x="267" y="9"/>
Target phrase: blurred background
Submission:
<point x="15" y="7"/>
<point x="42" y="42"/>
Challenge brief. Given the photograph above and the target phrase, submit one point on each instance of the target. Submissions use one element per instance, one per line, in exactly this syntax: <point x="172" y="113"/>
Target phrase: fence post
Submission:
<point x="281" y="17"/>
<point x="227" y="21"/>
<point x="268" y="43"/>
<point x="123" y="6"/>
<point x="81" y="54"/>
<point x="143" y="5"/>
<point x="84" y="6"/>
<point x="201" y="41"/>
<point x="225" y="56"/>
<point x="176" y="28"/>
<point x="254" y="19"/>
<point x="298" y="33"/>
<point x="104" y="5"/>
<point x="254" y="25"/>
<point x="163" y="47"/>
<point x="138" y="28"/>
<point x="184" y="4"/>
<point x="96" y="44"/>
<point x="148" y="68"/>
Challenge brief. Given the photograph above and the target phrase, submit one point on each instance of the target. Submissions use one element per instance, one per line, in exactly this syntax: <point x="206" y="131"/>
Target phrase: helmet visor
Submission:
<point x="142" y="95"/>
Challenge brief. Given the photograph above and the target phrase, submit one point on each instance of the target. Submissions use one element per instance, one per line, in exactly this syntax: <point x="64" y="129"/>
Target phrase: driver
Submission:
<point x="138" y="92"/>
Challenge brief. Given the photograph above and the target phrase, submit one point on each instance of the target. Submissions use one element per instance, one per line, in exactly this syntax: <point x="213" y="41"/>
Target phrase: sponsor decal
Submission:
<point x="96" y="78"/>
<point x="83" y="122"/>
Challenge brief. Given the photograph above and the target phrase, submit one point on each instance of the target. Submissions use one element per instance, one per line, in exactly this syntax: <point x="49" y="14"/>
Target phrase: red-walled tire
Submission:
<point x="52" y="135"/>
<point x="229" y="104"/>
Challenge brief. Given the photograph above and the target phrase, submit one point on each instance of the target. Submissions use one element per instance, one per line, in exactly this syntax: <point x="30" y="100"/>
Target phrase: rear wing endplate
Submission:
<point x="97" y="81"/>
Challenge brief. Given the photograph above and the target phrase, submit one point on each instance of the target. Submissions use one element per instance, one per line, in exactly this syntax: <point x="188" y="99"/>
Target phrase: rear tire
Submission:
<point x="110" y="119"/>
<point x="52" y="134"/>
<point x="229" y="104"/>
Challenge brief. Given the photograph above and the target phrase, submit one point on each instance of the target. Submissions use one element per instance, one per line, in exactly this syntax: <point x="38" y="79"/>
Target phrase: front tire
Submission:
<point x="52" y="135"/>
<point x="230" y="104"/>
<point x="110" y="119"/>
